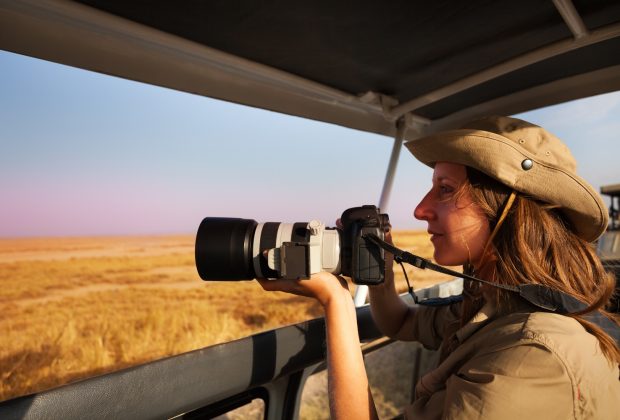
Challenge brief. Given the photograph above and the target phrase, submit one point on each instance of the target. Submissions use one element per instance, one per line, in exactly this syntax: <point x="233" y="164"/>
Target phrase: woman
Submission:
<point x="505" y="203"/>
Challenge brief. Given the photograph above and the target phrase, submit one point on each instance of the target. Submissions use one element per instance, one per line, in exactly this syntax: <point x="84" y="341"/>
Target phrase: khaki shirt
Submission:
<point x="525" y="365"/>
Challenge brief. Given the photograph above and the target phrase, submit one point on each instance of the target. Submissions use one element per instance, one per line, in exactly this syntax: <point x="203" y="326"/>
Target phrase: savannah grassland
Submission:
<point x="77" y="307"/>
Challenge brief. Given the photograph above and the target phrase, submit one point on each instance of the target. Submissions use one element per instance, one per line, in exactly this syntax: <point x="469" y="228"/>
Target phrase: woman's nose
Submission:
<point x="424" y="210"/>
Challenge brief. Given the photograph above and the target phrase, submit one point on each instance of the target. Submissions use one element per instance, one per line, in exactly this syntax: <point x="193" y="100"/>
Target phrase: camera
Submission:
<point x="232" y="249"/>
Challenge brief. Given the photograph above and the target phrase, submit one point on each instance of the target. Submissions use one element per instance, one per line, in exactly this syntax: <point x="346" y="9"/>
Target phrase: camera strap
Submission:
<point x="543" y="297"/>
<point x="423" y="263"/>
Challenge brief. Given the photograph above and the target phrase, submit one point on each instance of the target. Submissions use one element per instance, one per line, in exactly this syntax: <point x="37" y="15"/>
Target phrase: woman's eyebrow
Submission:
<point x="443" y="178"/>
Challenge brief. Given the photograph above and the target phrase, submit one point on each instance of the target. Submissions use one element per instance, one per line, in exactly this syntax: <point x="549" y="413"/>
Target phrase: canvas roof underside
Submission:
<point x="357" y="64"/>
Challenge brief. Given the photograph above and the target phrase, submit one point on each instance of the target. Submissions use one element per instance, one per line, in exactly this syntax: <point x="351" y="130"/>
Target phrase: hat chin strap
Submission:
<point x="500" y="221"/>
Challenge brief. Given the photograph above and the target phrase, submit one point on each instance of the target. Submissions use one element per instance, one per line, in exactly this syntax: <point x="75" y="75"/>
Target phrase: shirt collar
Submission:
<point x="478" y="321"/>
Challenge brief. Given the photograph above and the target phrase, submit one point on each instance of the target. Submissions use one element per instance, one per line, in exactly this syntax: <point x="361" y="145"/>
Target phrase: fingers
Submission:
<point x="266" y="284"/>
<point x="389" y="257"/>
<point x="320" y="286"/>
<point x="388" y="235"/>
<point x="328" y="277"/>
<point x="289" y="286"/>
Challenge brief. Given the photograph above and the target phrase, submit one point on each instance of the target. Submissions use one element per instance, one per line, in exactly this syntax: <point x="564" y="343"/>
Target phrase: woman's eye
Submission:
<point x="445" y="189"/>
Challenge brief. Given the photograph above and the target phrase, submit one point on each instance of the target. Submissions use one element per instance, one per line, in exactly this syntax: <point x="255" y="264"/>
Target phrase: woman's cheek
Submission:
<point x="449" y="253"/>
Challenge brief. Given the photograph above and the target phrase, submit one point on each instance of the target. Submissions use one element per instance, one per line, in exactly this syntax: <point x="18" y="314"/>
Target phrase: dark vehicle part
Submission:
<point x="264" y="365"/>
<point x="608" y="246"/>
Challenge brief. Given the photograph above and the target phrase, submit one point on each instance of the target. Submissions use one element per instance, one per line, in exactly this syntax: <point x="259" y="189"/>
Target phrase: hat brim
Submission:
<point x="501" y="158"/>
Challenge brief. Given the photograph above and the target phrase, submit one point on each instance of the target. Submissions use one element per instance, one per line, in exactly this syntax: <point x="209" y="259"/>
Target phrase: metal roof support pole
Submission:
<point x="361" y="292"/>
<point x="391" y="170"/>
<point x="571" y="18"/>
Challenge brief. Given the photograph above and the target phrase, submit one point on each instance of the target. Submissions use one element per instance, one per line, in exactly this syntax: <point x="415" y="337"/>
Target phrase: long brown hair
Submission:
<point x="535" y="244"/>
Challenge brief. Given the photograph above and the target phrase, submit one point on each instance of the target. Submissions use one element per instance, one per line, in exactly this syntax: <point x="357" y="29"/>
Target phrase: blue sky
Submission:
<point x="87" y="154"/>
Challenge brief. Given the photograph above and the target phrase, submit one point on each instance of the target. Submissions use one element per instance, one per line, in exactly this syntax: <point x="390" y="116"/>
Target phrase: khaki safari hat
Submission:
<point x="525" y="157"/>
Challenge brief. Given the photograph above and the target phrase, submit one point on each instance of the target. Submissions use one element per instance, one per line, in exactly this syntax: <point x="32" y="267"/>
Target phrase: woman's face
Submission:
<point x="458" y="227"/>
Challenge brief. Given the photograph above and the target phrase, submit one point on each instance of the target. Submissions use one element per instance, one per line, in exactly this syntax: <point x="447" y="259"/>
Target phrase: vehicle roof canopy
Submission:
<point x="611" y="190"/>
<point x="362" y="65"/>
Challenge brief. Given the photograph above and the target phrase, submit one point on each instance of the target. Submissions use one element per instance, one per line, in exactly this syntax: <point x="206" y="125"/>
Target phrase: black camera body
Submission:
<point x="362" y="260"/>
<point x="232" y="249"/>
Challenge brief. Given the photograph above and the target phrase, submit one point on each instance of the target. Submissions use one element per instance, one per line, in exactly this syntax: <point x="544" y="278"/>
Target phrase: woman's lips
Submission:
<point x="434" y="235"/>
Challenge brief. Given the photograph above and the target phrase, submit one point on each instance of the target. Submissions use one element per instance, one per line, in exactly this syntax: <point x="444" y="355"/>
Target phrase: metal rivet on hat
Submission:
<point x="548" y="153"/>
<point x="521" y="141"/>
<point x="527" y="164"/>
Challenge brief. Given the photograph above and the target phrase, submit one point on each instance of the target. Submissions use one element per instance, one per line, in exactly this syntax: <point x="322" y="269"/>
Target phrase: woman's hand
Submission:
<point x="321" y="286"/>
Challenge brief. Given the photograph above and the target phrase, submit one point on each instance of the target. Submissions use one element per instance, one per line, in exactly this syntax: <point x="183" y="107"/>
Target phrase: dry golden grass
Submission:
<point x="78" y="307"/>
